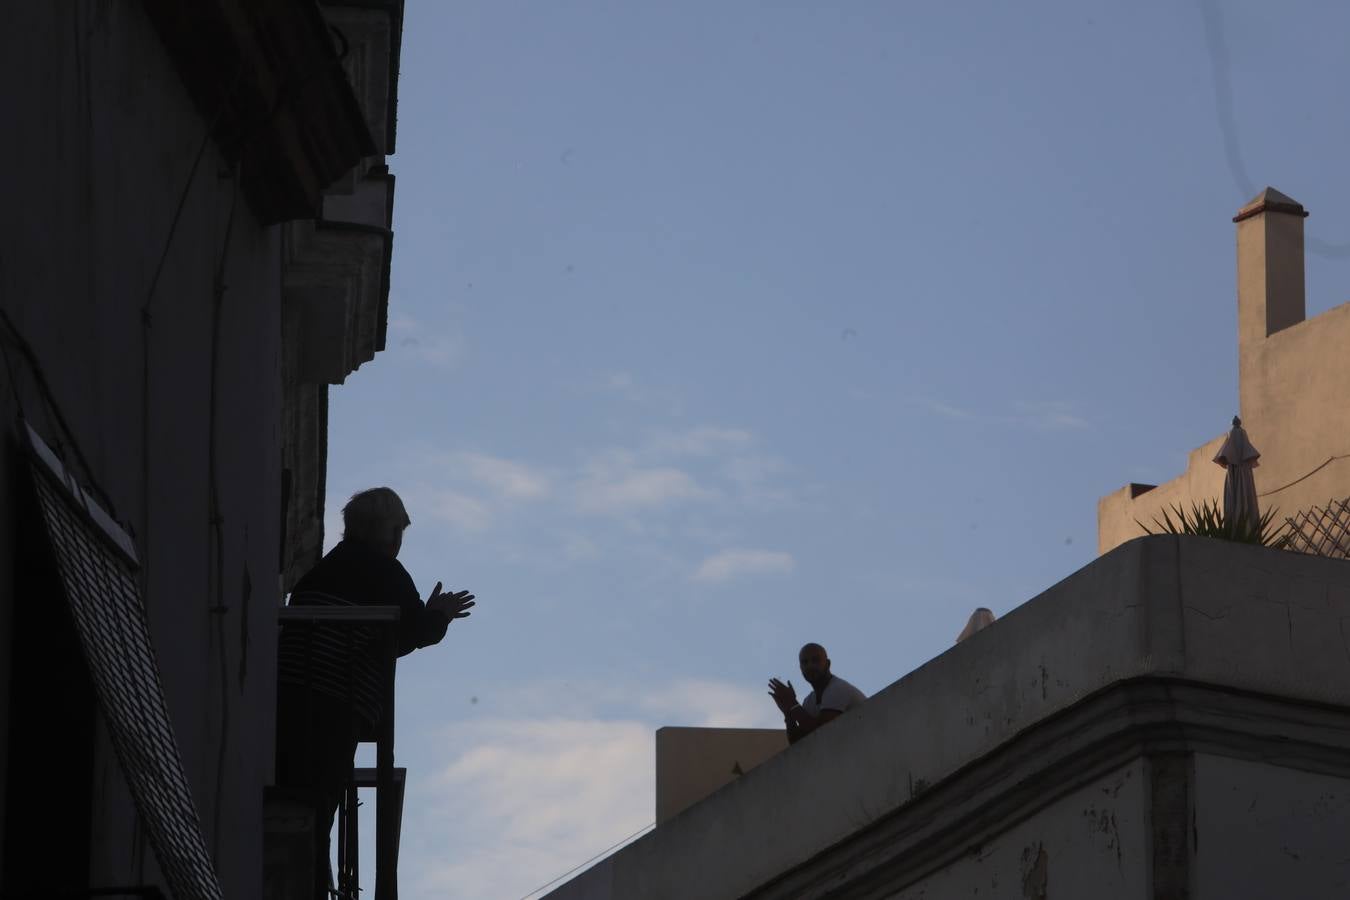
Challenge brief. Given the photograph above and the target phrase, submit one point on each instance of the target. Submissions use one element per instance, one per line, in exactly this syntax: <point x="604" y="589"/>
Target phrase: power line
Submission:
<point x="215" y="580"/>
<point x="589" y="861"/>
<point x="1220" y="68"/>
<point x="1329" y="460"/>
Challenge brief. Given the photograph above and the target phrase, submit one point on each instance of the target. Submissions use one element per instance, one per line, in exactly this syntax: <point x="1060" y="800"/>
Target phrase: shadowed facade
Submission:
<point x="197" y="246"/>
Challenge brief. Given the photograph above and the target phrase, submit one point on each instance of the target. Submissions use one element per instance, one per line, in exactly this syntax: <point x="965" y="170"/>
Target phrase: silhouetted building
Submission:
<point x="196" y="244"/>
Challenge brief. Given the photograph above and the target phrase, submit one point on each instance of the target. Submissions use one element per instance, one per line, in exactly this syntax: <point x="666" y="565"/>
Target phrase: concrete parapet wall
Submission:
<point x="1162" y="638"/>
<point x="692" y="763"/>
<point x="1122" y="515"/>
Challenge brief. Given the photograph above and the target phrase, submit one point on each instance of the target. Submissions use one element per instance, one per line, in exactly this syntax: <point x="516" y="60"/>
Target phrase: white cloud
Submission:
<point x="535" y="770"/>
<point x="946" y="409"/>
<point x="460" y="511"/>
<point x="672" y="488"/>
<point x="1046" y="415"/>
<point x="522" y="800"/>
<point x="753" y="470"/>
<point x="705" y="703"/>
<point x="730" y="564"/>
<point x="624" y="385"/>
<point x="411" y="339"/>
<point x="757" y="483"/>
<point x="544" y="794"/>
<point x="676" y="466"/>
<point x="609" y="489"/>
<point x="507" y="477"/>
<point x="579" y="546"/>
<point x="727" y="455"/>
<point x="1052" y="415"/>
<point x="703" y="440"/>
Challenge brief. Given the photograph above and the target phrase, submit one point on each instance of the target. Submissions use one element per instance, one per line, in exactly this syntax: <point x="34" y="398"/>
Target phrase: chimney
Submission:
<point x="1269" y="266"/>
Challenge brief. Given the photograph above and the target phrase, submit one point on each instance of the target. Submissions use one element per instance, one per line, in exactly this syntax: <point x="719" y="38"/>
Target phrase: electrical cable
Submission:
<point x="146" y="308"/>
<point x="589" y="861"/>
<point x="216" y="591"/>
<point x="1329" y="460"/>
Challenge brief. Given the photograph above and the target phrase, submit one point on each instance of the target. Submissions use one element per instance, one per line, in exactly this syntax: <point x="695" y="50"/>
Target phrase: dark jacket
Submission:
<point x="343" y="662"/>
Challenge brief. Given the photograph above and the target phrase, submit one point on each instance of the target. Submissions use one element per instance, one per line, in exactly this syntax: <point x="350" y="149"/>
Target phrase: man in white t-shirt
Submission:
<point x="831" y="697"/>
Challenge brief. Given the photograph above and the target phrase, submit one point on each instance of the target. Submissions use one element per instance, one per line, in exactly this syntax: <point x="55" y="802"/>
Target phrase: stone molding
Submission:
<point x="1154" y="718"/>
<point x="336" y="276"/>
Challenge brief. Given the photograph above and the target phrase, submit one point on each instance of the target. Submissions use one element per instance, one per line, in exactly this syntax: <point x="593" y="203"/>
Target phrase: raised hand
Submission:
<point x="453" y="606"/>
<point x="784" y="695"/>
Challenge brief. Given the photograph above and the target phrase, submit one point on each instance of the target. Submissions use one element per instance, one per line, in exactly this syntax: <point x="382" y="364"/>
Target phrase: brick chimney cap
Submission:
<point x="1271" y="200"/>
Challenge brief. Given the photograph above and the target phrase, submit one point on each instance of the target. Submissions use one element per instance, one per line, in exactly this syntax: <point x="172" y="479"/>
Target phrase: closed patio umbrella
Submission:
<point x="1239" y="457"/>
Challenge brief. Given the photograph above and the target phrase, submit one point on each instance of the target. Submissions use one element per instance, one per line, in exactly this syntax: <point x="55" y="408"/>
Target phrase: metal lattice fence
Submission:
<point x="1321" y="530"/>
<point x="100" y="587"/>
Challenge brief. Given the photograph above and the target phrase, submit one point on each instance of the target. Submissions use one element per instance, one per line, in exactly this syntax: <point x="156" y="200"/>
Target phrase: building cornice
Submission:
<point x="267" y="77"/>
<point x="1139" y="718"/>
<point x="385" y="131"/>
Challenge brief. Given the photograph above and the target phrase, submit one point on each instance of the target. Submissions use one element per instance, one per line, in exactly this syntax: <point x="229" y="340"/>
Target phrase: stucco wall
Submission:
<point x="1293" y="387"/>
<point x="692" y="763"/>
<point x="93" y="176"/>
<point x="1293" y="384"/>
<point x="1122" y="515"/>
<point x="1294" y="390"/>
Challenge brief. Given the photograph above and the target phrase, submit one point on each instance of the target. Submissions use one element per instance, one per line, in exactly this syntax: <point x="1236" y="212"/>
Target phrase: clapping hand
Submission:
<point x="784" y="695"/>
<point x="453" y="606"/>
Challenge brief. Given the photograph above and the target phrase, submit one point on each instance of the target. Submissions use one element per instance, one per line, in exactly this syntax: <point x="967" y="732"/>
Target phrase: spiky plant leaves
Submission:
<point x="1206" y="519"/>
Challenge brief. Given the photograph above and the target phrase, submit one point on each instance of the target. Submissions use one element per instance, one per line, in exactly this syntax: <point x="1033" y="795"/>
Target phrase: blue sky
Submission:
<point x="720" y="327"/>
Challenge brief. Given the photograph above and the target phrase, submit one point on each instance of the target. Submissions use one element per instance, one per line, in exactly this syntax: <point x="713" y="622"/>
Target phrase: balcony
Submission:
<point x="291" y="827"/>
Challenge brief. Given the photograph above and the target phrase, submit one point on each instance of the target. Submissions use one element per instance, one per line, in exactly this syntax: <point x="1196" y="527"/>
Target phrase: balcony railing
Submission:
<point x="387" y="781"/>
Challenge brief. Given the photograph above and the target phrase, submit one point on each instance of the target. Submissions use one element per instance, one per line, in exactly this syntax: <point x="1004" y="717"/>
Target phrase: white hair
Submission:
<point x="375" y="517"/>
<point x="979" y="620"/>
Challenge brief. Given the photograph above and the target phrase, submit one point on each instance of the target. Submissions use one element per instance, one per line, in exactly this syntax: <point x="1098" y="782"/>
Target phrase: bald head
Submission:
<point x="815" y="664"/>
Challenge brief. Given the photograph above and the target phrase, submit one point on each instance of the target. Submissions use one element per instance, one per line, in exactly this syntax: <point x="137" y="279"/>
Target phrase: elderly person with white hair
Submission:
<point x="329" y="678"/>
<point x="979" y="620"/>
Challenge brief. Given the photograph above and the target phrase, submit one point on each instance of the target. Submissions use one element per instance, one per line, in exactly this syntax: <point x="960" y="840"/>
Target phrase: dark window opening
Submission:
<point x="51" y="727"/>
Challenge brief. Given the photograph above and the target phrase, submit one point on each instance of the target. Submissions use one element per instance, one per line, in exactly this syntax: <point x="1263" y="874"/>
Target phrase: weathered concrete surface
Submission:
<point x="1182" y="609"/>
<point x="1293" y="379"/>
<point x="1091" y="843"/>
<point x="1262" y="824"/>
<point x="692" y="763"/>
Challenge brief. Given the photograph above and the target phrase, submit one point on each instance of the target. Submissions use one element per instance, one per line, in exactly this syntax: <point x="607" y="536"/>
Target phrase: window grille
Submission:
<point x="97" y="565"/>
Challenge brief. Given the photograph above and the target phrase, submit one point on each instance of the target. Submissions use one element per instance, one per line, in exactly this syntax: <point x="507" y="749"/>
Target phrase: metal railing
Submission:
<point x="347" y="821"/>
<point x="385" y="778"/>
